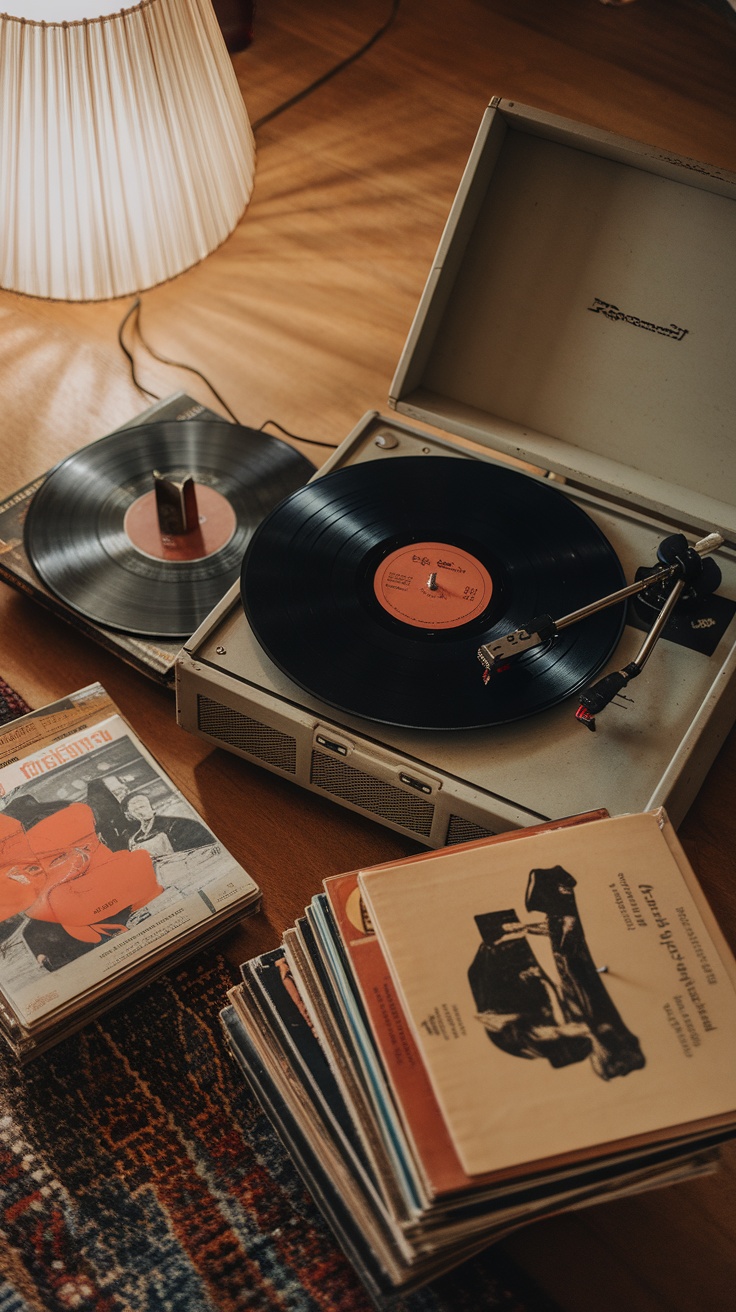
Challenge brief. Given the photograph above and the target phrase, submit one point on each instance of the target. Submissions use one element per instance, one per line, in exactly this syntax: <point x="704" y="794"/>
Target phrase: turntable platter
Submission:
<point x="373" y="587"/>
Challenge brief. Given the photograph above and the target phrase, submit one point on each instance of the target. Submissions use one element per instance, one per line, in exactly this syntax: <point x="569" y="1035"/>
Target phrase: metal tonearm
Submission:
<point x="544" y="629"/>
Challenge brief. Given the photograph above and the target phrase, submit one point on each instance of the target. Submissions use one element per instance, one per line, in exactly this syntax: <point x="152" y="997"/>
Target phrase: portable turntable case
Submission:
<point x="579" y="317"/>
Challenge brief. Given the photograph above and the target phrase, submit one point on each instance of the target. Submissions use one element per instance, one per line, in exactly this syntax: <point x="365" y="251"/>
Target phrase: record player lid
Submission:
<point x="580" y="315"/>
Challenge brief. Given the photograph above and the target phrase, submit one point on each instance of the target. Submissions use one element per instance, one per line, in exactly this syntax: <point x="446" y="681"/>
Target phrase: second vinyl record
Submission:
<point x="374" y="586"/>
<point x="93" y="537"/>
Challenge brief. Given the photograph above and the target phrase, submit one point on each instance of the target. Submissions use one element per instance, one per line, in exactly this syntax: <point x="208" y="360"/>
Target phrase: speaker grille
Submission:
<point x="238" y="730"/>
<point x="371" y="794"/>
<point x="461" y="831"/>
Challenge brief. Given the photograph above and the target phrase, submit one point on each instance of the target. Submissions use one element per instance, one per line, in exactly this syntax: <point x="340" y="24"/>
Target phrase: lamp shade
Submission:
<point x="125" y="150"/>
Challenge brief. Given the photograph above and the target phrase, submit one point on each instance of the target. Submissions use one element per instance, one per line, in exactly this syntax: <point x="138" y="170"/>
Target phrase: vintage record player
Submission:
<point x="576" y="335"/>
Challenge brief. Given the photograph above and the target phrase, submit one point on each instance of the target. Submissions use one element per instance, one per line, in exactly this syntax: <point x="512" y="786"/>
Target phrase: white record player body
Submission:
<point x="578" y="318"/>
<point x="653" y="745"/>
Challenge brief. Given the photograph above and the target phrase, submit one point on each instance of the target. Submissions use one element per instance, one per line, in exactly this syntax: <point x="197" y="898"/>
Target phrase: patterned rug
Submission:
<point x="11" y="705"/>
<point x="137" y="1174"/>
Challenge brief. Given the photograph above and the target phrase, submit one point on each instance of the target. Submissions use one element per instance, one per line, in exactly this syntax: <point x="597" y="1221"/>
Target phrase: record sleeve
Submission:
<point x="107" y="874"/>
<point x="581" y="977"/>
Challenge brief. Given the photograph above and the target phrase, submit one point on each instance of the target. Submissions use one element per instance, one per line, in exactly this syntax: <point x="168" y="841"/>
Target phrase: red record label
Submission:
<point x="217" y="524"/>
<point x="432" y="585"/>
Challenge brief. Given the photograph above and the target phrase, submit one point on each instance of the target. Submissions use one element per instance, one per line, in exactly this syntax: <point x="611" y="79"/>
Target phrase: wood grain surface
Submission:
<point x="300" y="317"/>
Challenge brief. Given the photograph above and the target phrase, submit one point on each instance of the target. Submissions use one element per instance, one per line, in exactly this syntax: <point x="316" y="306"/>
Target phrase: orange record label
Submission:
<point x="432" y="585"/>
<point x="217" y="523"/>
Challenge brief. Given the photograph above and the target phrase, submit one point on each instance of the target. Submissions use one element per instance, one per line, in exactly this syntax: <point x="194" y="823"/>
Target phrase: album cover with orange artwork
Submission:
<point x="106" y="871"/>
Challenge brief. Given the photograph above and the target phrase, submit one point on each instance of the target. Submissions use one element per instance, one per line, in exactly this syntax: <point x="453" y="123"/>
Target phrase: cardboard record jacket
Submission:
<point x="373" y="587"/>
<point x="92" y="533"/>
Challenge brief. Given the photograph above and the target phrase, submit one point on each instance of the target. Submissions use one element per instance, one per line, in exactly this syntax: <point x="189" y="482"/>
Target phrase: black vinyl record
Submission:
<point x="92" y="534"/>
<point x="373" y="587"/>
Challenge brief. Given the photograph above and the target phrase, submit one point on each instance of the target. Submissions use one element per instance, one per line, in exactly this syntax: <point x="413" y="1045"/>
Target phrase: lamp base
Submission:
<point x="235" y="18"/>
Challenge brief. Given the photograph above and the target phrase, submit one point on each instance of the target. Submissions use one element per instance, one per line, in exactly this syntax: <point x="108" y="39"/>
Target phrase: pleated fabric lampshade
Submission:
<point x="126" y="154"/>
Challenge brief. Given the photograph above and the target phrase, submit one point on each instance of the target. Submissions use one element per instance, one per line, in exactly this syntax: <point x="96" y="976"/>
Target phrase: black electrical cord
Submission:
<point x="134" y="309"/>
<point x="134" y="313"/>
<point x="310" y="441"/>
<point x="338" y="68"/>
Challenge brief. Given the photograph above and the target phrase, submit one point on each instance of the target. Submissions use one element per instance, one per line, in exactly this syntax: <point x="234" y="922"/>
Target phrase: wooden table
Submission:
<point x="300" y="317"/>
